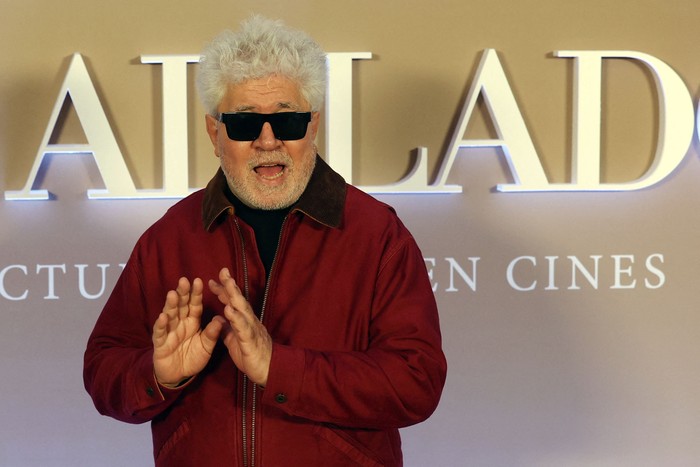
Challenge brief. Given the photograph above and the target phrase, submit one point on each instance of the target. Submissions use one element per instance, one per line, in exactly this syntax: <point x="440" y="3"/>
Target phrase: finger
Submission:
<point x="228" y="336"/>
<point x="235" y="317"/>
<point x="242" y="323"/>
<point x="226" y="330"/>
<point x="183" y="292"/>
<point x="171" y="306"/>
<point x="160" y="330"/>
<point x="195" y="303"/>
<point x="219" y="290"/>
<point x="236" y="298"/>
<point x="167" y="319"/>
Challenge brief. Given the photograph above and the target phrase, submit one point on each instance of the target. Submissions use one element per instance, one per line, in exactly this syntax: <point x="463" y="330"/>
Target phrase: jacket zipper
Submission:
<point x="262" y="315"/>
<point x="246" y="292"/>
<point x="244" y="403"/>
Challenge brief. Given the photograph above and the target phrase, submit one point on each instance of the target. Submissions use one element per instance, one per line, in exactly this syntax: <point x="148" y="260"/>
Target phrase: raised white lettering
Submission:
<point x="51" y="294"/>
<point x="3" y="291"/>
<point x="101" y="142"/>
<point x="339" y="111"/>
<point x="469" y="280"/>
<point x="620" y="271"/>
<point x="658" y="273"/>
<point x="510" y="276"/>
<point x="175" y="145"/>
<point x="675" y="122"/>
<point x="514" y="139"/>
<point x="577" y="265"/>
<point x="675" y="131"/>
<point x="81" y="281"/>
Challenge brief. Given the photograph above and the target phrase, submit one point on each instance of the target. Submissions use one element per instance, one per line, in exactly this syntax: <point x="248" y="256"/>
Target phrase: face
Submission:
<point x="265" y="173"/>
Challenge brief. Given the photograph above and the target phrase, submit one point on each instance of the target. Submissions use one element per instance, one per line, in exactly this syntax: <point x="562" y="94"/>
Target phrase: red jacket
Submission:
<point x="356" y="354"/>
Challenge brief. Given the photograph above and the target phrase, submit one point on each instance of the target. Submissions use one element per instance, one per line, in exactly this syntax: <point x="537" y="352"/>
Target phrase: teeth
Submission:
<point x="270" y="171"/>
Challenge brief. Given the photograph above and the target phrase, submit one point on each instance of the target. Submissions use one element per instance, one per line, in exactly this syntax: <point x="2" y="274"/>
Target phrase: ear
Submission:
<point x="213" y="132"/>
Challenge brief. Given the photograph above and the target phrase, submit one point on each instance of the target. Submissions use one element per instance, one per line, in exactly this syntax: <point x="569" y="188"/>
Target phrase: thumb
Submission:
<point x="211" y="333"/>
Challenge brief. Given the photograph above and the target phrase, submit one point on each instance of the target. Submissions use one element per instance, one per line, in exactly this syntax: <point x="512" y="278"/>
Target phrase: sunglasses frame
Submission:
<point x="247" y="126"/>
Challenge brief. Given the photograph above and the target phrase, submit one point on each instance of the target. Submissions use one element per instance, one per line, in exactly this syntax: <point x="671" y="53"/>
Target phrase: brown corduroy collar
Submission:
<point x="323" y="199"/>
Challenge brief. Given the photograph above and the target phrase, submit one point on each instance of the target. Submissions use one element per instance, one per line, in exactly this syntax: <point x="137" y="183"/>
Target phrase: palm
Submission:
<point x="180" y="348"/>
<point x="183" y="353"/>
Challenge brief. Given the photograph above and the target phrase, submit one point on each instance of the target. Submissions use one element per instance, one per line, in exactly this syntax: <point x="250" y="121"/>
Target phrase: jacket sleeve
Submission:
<point x="118" y="361"/>
<point x="394" y="383"/>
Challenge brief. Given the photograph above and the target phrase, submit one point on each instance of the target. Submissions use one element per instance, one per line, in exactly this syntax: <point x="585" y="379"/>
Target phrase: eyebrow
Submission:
<point x="280" y="106"/>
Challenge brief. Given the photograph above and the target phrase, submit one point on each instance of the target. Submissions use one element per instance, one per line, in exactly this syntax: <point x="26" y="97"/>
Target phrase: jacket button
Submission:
<point x="280" y="398"/>
<point x="150" y="391"/>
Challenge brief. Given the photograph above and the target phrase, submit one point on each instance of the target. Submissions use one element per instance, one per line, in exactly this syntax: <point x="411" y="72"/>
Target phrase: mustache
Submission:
<point x="269" y="157"/>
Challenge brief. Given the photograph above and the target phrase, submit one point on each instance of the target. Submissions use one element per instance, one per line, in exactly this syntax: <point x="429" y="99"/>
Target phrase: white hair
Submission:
<point x="262" y="47"/>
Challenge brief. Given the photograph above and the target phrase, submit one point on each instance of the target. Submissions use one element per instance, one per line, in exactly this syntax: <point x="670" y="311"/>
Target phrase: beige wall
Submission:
<point x="407" y="96"/>
<point x="565" y="377"/>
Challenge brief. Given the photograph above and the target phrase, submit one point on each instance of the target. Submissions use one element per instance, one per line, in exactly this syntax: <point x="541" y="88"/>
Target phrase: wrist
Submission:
<point x="176" y="385"/>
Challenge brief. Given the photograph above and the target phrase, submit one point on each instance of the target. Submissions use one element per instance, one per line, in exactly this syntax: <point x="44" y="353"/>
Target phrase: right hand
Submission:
<point x="180" y="348"/>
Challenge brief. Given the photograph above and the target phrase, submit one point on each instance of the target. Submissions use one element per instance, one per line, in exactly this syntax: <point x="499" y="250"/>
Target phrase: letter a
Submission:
<point x="514" y="139"/>
<point x="101" y="142"/>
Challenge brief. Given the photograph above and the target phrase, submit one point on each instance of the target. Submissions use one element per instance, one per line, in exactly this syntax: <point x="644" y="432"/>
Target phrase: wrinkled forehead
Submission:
<point x="269" y="94"/>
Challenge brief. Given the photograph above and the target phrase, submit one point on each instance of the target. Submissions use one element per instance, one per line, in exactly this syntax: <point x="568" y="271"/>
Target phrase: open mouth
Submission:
<point x="270" y="171"/>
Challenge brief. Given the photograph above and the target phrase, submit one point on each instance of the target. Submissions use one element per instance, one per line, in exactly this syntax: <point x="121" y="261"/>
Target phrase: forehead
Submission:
<point x="268" y="94"/>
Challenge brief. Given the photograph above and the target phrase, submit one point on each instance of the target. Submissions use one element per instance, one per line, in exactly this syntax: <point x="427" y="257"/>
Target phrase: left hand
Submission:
<point x="247" y="340"/>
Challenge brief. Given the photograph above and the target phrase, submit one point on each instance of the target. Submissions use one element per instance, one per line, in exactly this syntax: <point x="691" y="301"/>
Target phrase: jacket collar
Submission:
<point x="322" y="200"/>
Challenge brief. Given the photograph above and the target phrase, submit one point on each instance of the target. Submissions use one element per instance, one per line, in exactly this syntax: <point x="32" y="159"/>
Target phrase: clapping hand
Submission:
<point x="247" y="340"/>
<point x="180" y="348"/>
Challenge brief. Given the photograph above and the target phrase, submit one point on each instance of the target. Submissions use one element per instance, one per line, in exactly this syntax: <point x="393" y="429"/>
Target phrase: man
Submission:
<point x="317" y="334"/>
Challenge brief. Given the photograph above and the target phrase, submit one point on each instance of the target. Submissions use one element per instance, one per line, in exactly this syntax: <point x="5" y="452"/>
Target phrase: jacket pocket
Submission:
<point x="348" y="446"/>
<point x="172" y="441"/>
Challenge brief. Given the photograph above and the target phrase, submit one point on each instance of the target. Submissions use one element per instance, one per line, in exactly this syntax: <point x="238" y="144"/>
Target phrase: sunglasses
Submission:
<point x="247" y="126"/>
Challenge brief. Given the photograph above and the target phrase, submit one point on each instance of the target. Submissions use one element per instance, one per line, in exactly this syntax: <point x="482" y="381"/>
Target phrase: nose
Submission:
<point x="266" y="139"/>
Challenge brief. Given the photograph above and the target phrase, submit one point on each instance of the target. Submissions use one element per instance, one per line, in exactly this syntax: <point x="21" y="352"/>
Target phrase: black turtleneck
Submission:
<point x="267" y="225"/>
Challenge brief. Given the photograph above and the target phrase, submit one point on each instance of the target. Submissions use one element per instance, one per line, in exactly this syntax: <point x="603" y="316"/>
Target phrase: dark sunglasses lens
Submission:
<point x="289" y="126"/>
<point x="246" y="126"/>
<point x="243" y="126"/>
